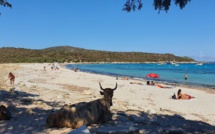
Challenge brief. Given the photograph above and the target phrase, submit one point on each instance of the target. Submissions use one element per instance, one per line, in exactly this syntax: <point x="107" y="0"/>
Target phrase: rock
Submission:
<point x="81" y="130"/>
<point x="117" y="130"/>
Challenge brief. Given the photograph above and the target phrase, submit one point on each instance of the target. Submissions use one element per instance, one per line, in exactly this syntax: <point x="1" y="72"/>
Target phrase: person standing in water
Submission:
<point x="186" y="76"/>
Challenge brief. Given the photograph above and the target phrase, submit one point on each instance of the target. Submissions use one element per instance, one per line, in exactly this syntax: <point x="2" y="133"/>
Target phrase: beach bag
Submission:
<point x="174" y="96"/>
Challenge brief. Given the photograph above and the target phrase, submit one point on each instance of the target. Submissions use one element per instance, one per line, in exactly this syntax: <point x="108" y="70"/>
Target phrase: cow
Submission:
<point x="4" y="113"/>
<point x="84" y="113"/>
<point x="11" y="78"/>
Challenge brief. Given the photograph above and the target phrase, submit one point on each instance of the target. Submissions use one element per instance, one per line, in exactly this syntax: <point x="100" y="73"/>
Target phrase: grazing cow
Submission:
<point x="4" y="113"/>
<point x="12" y="78"/>
<point x="84" y="113"/>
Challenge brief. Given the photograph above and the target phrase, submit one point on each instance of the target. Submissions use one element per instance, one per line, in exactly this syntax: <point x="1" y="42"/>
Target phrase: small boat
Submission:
<point x="175" y="64"/>
<point x="168" y="62"/>
<point x="199" y="63"/>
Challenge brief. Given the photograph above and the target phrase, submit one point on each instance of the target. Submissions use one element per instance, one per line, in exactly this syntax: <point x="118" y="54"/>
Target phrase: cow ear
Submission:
<point x="102" y="93"/>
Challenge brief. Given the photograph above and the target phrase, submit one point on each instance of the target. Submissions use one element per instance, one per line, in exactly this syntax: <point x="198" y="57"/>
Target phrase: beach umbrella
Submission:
<point x="152" y="75"/>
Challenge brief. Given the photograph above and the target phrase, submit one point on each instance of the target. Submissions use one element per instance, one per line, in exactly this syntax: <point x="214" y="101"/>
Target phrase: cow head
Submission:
<point x="108" y="93"/>
<point x="4" y="113"/>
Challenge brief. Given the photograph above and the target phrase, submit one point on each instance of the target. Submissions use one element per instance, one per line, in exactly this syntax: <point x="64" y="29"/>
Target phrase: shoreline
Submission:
<point x="187" y="85"/>
<point x="51" y="89"/>
<point x="205" y="88"/>
<point x="192" y="62"/>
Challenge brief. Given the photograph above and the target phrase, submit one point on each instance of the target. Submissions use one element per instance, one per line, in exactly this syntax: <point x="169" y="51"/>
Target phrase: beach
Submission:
<point x="37" y="92"/>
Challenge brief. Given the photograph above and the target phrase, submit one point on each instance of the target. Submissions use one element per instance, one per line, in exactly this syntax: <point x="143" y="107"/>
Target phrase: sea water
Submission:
<point x="203" y="75"/>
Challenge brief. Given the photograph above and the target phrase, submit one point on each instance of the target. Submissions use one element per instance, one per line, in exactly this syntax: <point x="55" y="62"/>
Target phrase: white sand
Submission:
<point x="66" y="86"/>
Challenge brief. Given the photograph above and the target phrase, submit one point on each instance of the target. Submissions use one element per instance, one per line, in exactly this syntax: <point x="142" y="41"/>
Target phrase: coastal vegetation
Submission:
<point x="74" y="54"/>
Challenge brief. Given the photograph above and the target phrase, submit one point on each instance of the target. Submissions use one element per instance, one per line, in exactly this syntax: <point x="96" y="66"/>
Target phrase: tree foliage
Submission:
<point x="158" y="4"/>
<point x="134" y="4"/>
<point x="5" y="4"/>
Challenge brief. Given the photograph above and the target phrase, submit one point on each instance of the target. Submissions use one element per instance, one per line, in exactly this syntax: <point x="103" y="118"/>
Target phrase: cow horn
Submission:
<point x="115" y="87"/>
<point x="101" y="86"/>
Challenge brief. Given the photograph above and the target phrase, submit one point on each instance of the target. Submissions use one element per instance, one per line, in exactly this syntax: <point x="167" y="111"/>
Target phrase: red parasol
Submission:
<point x="152" y="75"/>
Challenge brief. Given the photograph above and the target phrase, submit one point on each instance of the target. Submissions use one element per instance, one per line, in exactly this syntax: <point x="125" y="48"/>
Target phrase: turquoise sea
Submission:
<point x="203" y="75"/>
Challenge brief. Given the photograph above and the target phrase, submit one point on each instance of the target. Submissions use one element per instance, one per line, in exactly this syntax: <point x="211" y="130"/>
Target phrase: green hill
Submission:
<point x="74" y="54"/>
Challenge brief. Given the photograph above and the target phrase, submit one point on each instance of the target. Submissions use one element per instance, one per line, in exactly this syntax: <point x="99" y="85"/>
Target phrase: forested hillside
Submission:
<point x="73" y="54"/>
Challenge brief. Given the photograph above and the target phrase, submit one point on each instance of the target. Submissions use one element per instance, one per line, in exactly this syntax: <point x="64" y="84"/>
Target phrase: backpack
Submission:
<point x="174" y="96"/>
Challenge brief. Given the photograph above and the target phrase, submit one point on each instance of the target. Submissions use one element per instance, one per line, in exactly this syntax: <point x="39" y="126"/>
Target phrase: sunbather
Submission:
<point x="138" y="83"/>
<point x="184" y="96"/>
<point x="124" y="78"/>
<point x="161" y="86"/>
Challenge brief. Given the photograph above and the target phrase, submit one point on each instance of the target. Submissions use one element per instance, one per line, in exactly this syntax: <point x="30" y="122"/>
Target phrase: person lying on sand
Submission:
<point x="161" y="86"/>
<point x="124" y="78"/>
<point x="138" y="83"/>
<point x="183" y="96"/>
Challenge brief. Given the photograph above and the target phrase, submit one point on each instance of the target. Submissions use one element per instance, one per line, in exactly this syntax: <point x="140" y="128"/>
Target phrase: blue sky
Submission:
<point x="102" y="25"/>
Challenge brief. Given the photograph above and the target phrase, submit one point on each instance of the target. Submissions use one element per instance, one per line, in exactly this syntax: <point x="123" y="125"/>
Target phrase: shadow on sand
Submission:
<point x="28" y="119"/>
<point x="31" y="119"/>
<point x="155" y="124"/>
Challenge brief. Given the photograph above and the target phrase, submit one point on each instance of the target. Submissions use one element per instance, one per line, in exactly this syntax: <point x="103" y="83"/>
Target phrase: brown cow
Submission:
<point x="11" y="78"/>
<point x="84" y="113"/>
<point x="4" y="113"/>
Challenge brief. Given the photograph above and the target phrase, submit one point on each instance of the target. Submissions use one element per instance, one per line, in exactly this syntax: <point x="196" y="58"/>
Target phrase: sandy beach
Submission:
<point x="37" y="92"/>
